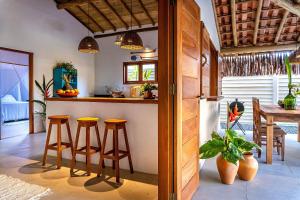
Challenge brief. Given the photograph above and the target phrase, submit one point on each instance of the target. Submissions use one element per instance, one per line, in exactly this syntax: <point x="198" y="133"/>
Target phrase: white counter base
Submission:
<point x="142" y="130"/>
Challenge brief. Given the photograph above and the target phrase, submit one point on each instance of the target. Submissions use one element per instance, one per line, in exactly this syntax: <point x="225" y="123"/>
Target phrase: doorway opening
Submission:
<point x="16" y="93"/>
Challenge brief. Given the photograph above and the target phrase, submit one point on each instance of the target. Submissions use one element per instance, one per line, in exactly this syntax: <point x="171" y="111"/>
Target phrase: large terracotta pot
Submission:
<point x="248" y="167"/>
<point x="227" y="170"/>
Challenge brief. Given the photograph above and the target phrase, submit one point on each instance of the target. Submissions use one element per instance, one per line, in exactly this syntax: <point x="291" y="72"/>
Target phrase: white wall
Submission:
<point x="209" y="120"/>
<point x="52" y="35"/>
<point x="109" y="62"/>
<point x="207" y="16"/>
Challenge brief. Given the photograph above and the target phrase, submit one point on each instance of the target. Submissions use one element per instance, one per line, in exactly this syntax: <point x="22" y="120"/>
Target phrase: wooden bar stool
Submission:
<point x="117" y="154"/>
<point x="59" y="145"/>
<point x="87" y="150"/>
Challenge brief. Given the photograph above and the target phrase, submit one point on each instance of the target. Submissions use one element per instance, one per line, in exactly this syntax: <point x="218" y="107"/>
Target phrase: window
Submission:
<point x="140" y="72"/>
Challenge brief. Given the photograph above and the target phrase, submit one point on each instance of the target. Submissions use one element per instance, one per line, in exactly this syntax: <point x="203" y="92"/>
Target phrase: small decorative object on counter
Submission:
<point x="231" y="148"/>
<point x="65" y="80"/>
<point x="248" y="167"/>
<point x="290" y="101"/>
<point x="115" y="92"/>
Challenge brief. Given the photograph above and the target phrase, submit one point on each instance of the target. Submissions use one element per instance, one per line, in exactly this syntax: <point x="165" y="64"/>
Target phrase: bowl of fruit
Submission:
<point x="67" y="93"/>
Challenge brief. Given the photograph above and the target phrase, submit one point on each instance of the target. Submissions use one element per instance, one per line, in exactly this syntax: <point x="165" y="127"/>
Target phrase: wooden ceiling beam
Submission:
<point x="289" y="6"/>
<point x="90" y="18"/>
<point x="256" y="49"/>
<point x="74" y="3"/>
<point x="131" y="13"/>
<point x="217" y="22"/>
<point x="116" y="14"/>
<point x="286" y="13"/>
<point x="147" y="12"/>
<point x="154" y="28"/>
<point x="233" y="21"/>
<point x="257" y="20"/>
<point x="103" y="15"/>
<point x="86" y="26"/>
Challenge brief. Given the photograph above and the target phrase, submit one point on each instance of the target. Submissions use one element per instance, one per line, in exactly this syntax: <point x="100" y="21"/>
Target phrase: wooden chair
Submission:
<point x="260" y="131"/>
<point x="88" y="149"/>
<point x="58" y="146"/>
<point x="117" y="154"/>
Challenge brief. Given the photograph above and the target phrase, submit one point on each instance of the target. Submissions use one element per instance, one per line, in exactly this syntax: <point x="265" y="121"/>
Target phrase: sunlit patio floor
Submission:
<point x="279" y="181"/>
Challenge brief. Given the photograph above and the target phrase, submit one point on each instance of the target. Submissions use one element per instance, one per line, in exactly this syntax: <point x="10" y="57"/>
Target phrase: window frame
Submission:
<point x="140" y="65"/>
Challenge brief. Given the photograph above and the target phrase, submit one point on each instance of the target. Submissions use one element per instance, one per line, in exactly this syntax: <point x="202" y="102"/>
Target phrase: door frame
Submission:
<point x="166" y="100"/>
<point x="31" y="89"/>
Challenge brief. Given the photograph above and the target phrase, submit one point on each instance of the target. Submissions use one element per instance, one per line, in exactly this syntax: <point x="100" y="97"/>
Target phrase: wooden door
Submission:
<point x="187" y="78"/>
<point x="206" y="62"/>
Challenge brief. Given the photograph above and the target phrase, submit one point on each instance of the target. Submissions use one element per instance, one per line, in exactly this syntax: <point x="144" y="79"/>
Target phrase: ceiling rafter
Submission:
<point x="147" y="12"/>
<point x="131" y="13"/>
<point x="285" y="15"/>
<point x="257" y="21"/>
<point x="233" y="21"/>
<point x="74" y="3"/>
<point x="116" y="14"/>
<point x="289" y="6"/>
<point x="90" y="18"/>
<point x="103" y="16"/>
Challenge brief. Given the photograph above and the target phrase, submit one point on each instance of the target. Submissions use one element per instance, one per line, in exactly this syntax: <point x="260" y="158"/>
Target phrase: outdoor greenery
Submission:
<point x="44" y="88"/>
<point x="232" y="146"/>
<point x="147" y="86"/>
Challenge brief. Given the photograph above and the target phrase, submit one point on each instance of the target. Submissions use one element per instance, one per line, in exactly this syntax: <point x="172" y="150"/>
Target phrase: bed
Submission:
<point x="13" y="110"/>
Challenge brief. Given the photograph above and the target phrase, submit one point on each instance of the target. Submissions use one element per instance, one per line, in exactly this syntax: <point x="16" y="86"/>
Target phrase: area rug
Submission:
<point x="16" y="189"/>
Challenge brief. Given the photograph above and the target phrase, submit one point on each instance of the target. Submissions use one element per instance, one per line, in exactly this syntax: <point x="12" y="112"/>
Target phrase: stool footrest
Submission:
<point x="122" y="154"/>
<point x="82" y="150"/>
<point x="64" y="145"/>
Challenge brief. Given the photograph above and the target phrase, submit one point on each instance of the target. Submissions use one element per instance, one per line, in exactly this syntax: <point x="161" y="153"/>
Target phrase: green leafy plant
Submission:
<point x="68" y="66"/>
<point x="231" y="146"/>
<point x="147" y="86"/>
<point x="293" y="87"/>
<point x="44" y="88"/>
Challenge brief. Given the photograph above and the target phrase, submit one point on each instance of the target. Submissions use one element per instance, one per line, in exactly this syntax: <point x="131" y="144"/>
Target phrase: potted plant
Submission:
<point x="44" y="88"/>
<point x="290" y="101"/>
<point x="230" y="148"/>
<point x="147" y="88"/>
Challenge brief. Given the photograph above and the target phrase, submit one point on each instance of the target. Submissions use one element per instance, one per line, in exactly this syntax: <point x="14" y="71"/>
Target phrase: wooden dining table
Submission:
<point x="274" y="113"/>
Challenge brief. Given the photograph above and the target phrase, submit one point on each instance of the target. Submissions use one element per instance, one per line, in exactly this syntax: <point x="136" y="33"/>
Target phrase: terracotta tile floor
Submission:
<point x="20" y="158"/>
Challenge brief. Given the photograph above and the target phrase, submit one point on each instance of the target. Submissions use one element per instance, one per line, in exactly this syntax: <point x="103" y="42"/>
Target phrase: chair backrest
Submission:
<point x="256" y="117"/>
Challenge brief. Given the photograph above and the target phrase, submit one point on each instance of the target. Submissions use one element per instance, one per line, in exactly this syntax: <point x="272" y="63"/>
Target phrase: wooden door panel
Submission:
<point x="205" y="68"/>
<point x="188" y="170"/>
<point x="190" y="128"/>
<point x="187" y="104"/>
<point x="190" y="89"/>
<point x="189" y="109"/>
<point x="188" y="151"/>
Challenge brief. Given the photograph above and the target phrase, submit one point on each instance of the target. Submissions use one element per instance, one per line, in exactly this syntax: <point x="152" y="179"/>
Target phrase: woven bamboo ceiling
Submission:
<point x="110" y="15"/>
<point x="246" y="23"/>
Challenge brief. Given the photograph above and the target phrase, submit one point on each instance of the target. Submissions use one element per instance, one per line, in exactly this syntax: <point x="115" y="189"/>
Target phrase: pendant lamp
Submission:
<point x="131" y="40"/>
<point x="88" y="44"/>
<point x="118" y="40"/>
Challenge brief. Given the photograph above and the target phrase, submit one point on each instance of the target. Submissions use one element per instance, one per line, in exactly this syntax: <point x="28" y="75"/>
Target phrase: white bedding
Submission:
<point x="12" y="110"/>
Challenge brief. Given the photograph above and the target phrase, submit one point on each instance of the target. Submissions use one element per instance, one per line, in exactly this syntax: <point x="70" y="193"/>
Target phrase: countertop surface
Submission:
<point x="105" y="99"/>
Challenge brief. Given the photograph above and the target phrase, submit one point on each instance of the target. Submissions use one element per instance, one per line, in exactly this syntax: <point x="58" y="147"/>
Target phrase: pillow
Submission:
<point x="8" y="98"/>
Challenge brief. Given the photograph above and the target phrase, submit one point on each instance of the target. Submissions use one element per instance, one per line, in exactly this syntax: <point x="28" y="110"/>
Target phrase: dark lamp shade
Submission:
<point x="132" y="41"/>
<point x="88" y="45"/>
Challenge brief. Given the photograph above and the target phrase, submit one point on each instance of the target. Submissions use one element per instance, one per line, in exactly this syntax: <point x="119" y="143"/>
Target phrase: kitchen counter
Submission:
<point x="142" y="126"/>
<point x="105" y="99"/>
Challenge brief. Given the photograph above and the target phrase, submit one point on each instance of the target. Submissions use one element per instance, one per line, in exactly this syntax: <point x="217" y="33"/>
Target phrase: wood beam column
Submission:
<point x="289" y="6"/>
<point x="233" y="21"/>
<point x="257" y="21"/>
<point x="285" y="15"/>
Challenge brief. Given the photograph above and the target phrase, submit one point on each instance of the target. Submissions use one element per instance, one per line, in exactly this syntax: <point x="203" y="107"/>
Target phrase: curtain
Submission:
<point x="256" y="64"/>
